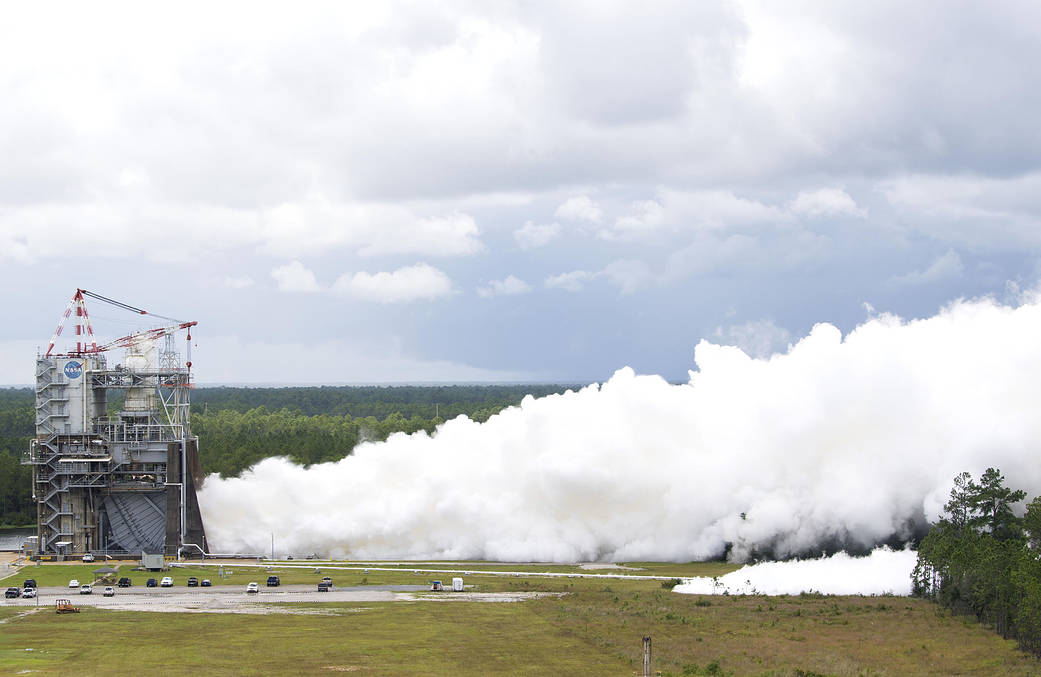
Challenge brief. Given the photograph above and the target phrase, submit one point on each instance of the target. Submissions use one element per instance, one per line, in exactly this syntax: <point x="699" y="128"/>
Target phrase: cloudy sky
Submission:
<point x="454" y="191"/>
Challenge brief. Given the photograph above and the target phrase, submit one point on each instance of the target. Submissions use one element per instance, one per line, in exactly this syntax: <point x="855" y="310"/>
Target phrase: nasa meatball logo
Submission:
<point x="73" y="369"/>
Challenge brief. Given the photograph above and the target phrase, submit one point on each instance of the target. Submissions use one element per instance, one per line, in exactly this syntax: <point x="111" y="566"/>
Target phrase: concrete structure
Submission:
<point x="152" y="562"/>
<point x="122" y="479"/>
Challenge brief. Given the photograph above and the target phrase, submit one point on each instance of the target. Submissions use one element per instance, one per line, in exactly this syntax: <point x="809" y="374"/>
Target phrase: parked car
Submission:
<point x="29" y="593"/>
<point x="273" y="582"/>
<point x="124" y="582"/>
<point x="253" y="587"/>
<point x="29" y="583"/>
<point x="323" y="587"/>
<point x="151" y="583"/>
<point x="193" y="582"/>
<point x="167" y="582"/>
<point x="109" y="591"/>
<point x="86" y="589"/>
<point x="205" y="583"/>
<point x="74" y="584"/>
<point x="12" y="592"/>
<point x="89" y="557"/>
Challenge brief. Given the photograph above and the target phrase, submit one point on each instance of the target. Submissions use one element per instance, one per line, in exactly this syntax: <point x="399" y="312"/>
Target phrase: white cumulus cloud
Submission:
<point x="294" y="276"/>
<point x="673" y="211"/>
<point x="533" y="235"/>
<point x="580" y="208"/>
<point x="826" y="202"/>
<point x="420" y="282"/>
<point x="572" y="281"/>
<point x="509" y="286"/>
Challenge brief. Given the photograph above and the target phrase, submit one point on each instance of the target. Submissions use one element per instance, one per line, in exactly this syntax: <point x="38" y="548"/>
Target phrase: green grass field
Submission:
<point x="594" y="630"/>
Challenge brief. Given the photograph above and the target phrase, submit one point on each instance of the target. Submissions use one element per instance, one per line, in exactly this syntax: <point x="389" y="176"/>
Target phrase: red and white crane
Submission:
<point x="86" y="343"/>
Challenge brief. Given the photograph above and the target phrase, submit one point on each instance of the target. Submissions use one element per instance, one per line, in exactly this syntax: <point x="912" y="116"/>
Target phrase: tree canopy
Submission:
<point x="981" y="559"/>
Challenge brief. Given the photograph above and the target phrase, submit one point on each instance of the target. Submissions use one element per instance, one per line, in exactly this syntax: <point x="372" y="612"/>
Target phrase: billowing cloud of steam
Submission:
<point x="839" y="441"/>
<point x="884" y="571"/>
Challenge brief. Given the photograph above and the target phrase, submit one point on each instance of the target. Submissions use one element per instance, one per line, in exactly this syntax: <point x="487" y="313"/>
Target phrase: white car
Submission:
<point x="167" y="582"/>
<point x="109" y="591"/>
<point x="74" y="583"/>
<point x="89" y="557"/>
<point x="253" y="587"/>
<point x="86" y="589"/>
<point x="29" y="593"/>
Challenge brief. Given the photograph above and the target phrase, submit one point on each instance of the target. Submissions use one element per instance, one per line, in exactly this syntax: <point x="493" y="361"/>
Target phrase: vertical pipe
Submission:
<point x="184" y="494"/>
<point x="647" y="656"/>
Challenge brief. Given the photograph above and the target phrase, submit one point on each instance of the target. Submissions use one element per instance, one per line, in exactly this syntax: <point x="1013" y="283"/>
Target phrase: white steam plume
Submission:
<point x="835" y="441"/>
<point x="883" y="572"/>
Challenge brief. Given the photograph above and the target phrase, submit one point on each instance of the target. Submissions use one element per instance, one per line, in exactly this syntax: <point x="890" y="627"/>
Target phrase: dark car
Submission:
<point x="124" y="582"/>
<point x="152" y="583"/>
<point x="273" y="582"/>
<point x="205" y="583"/>
<point x="13" y="592"/>
<point x="29" y="583"/>
<point x="193" y="582"/>
<point x="323" y="587"/>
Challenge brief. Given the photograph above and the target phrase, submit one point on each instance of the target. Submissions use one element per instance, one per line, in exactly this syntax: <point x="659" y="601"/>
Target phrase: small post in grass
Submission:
<point x="647" y="656"/>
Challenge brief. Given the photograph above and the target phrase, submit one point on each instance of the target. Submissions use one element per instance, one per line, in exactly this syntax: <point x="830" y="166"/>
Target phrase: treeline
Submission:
<point x="238" y="427"/>
<point x="448" y="401"/>
<point x="230" y="441"/>
<point x="16" y="427"/>
<point x="981" y="560"/>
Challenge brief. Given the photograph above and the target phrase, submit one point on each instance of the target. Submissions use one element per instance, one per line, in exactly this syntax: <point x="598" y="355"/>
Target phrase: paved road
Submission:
<point x="232" y="599"/>
<point x="215" y="598"/>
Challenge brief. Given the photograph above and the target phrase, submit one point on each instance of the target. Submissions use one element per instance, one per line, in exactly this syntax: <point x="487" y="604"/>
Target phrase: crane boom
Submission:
<point x="137" y="338"/>
<point x="86" y="343"/>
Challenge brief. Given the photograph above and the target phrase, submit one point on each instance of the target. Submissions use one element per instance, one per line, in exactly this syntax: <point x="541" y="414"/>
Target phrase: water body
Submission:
<point x="13" y="539"/>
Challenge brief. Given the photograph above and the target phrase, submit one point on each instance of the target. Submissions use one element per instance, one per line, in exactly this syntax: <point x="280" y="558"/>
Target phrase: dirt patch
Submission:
<point x="17" y="616"/>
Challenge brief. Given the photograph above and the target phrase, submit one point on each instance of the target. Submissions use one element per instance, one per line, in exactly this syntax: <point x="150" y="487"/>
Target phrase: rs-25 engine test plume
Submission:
<point x="849" y="440"/>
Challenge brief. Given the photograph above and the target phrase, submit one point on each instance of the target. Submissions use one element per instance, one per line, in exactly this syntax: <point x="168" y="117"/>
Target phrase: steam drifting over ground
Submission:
<point x="884" y="571"/>
<point x="839" y="440"/>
